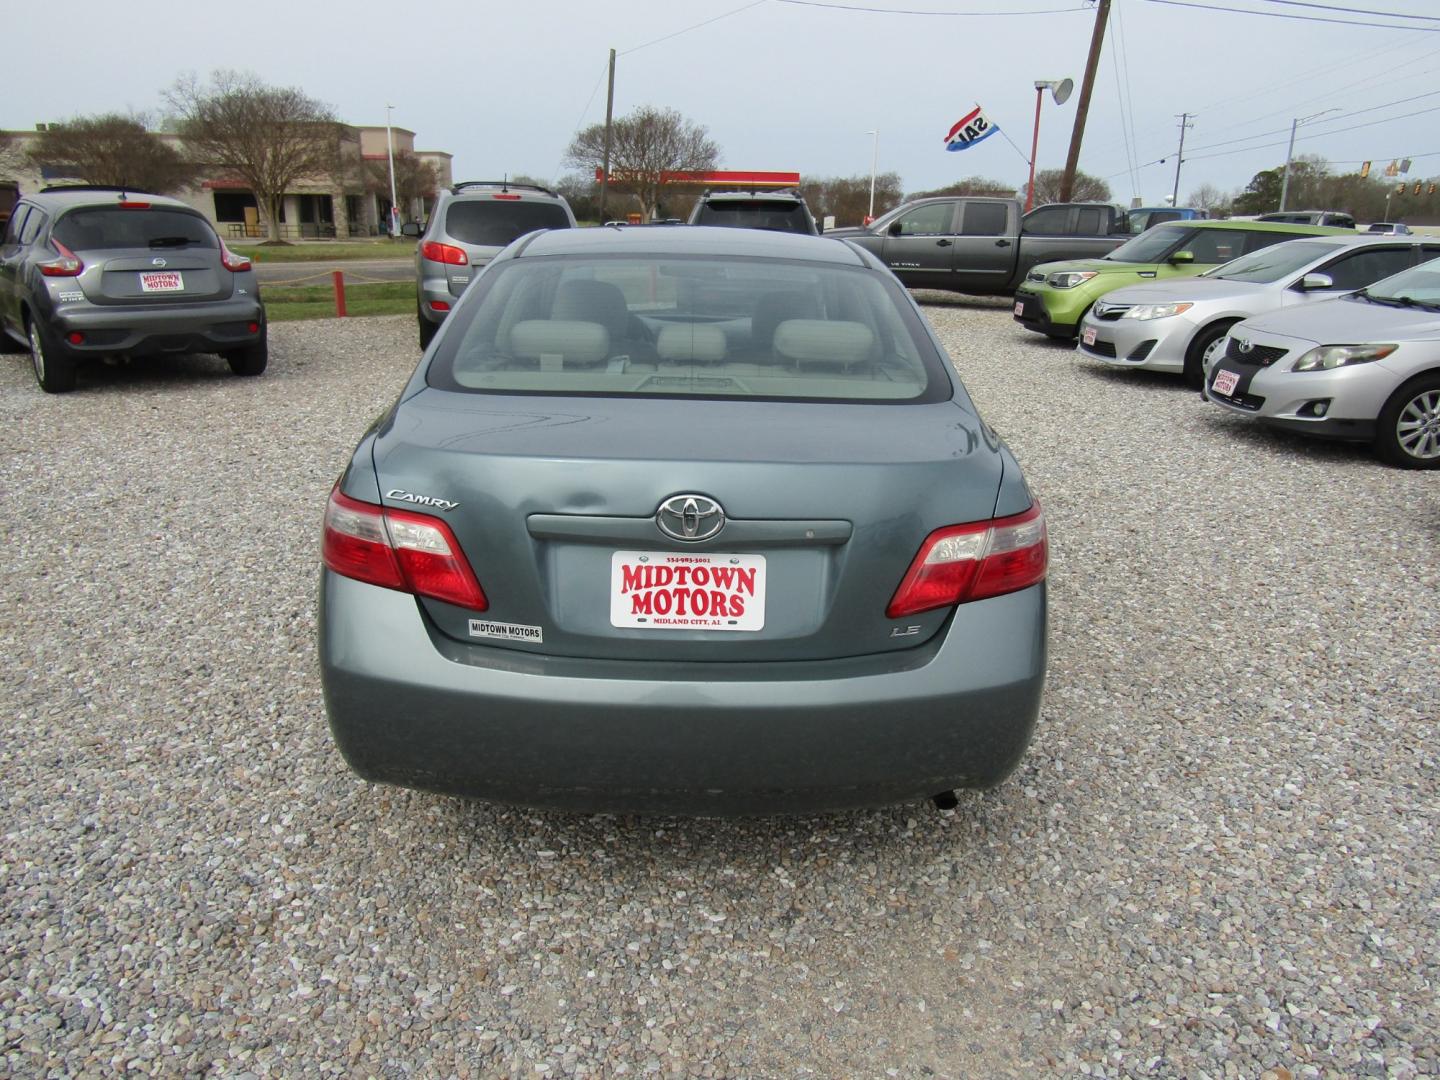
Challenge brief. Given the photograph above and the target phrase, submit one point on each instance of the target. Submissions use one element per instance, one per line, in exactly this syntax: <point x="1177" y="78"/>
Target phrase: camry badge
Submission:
<point x="401" y="495"/>
<point x="691" y="518"/>
<point x="158" y="262"/>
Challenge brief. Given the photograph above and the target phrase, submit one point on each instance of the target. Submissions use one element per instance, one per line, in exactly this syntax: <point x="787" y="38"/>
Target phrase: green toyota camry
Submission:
<point x="1056" y="295"/>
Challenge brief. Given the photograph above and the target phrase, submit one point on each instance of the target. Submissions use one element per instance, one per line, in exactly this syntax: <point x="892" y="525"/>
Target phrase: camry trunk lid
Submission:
<point x="786" y="528"/>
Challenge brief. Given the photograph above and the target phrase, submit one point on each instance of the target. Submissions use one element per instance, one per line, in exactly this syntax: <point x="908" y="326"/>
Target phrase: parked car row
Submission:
<point x="1335" y="335"/>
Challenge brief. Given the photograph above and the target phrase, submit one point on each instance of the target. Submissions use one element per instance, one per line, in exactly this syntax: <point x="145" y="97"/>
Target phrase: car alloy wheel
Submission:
<point x="54" y="371"/>
<point x="1408" y="432"/>
<point x="1417" y="428"/>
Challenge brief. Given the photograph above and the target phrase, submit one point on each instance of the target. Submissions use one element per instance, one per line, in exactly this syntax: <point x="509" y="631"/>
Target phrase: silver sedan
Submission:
<point x="1171" y="325"/>
<point x="1365" y="367"/>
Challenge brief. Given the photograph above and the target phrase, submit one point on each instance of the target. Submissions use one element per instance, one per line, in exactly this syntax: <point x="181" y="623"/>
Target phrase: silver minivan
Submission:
<point x="472" y="223"/>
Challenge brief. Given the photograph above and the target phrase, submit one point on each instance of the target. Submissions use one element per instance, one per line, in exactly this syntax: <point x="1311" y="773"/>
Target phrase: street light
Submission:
<point x="1060" y="91"/>
<point x="390" y="153"/>
<point x="874" y="164"/>
<point x="1290" y="150"/>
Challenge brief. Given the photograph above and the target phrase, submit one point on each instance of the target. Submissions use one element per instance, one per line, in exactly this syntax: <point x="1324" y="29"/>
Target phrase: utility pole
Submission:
<point x="609" y="111"/>
<point x="1072" y="160"/>
<point x="1290" y="152"/>
<point x="1179" y="158"/>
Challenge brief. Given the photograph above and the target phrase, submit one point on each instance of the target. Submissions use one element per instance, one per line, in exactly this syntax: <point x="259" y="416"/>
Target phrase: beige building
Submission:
<point x="355" y="201"/>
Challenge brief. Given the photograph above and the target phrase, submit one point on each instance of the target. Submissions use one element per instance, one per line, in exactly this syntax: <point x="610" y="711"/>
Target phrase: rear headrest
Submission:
<point x="695" y="343"/>
<point x="560" y="342"/>
<point x="822" y="341"/>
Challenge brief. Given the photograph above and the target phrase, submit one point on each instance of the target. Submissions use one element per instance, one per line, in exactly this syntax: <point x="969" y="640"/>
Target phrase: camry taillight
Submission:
<point x="233" y="262"/>
<point x="444" y="253"/>
<point x="960" y="563"/>
<point x="67" y="264"/>
<point x="398" y="549"/>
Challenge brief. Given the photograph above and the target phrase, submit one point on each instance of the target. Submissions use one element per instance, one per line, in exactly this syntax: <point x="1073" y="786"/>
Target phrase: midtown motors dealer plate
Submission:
<point x="168" y="281"/>
<point x="668" y="590"/>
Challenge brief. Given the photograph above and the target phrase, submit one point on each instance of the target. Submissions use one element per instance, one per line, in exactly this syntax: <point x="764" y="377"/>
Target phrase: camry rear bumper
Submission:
<point x="411" y="707"/>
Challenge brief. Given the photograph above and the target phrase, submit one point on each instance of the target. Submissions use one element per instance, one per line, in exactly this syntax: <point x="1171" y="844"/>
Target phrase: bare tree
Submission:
<point x="646" y="149"/>
<point x="847" y="198"/>
<point x="268" y="136"/>
<point x="414" y="179"/>
<point x="1209" y="198"/>
<point x="1086" y="189"/>
<point x="112" y="149"/>
<point x="971" y="185"/>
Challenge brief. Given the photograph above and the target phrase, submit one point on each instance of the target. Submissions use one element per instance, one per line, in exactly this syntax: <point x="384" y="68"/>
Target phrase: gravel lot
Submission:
<point x="1219" y="858"/>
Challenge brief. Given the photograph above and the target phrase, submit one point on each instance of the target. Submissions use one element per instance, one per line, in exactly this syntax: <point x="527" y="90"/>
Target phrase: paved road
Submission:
<point x="318" y="272"/>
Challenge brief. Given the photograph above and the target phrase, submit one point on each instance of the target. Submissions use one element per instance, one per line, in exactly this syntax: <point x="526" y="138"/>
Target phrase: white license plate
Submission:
<point x="1019" y="307"/>
<point x="670" y="590"/>
<point x="1088" y="336"/>
<point x="1225" y="382"/>
<point x="168" y="281"/>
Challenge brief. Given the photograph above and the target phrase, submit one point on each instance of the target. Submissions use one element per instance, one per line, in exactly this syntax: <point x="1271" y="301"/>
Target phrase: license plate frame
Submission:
<point x="675" y="590"/>
<point x="161" y="281"/>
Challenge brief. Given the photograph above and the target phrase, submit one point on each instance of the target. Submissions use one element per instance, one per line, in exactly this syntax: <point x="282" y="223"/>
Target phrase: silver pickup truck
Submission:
<point x="984" y="246"/>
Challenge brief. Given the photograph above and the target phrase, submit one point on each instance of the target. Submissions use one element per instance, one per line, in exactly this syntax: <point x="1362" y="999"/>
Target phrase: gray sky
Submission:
<point x="782" y="84"/>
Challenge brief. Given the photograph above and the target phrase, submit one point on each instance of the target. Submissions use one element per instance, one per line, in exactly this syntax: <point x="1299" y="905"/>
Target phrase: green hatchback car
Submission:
<point x="1056" y="296"/>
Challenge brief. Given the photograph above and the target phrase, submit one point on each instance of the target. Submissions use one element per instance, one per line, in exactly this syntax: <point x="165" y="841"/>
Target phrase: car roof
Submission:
<point x="62" y="199"/>
<point x="1261" y="226"/>
<point x="693" y="240"/>
<point x="790" y="194"/>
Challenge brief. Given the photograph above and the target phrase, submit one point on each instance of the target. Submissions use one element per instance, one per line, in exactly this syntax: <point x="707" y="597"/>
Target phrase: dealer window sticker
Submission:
<point x="504" y="631"/>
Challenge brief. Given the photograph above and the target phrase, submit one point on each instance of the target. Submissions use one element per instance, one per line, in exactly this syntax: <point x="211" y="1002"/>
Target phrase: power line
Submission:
<point x="1282" y="15"/>
<point x="905" y="11"/>
<point x="1349" y="10"/>
<point x="697" y="26"/>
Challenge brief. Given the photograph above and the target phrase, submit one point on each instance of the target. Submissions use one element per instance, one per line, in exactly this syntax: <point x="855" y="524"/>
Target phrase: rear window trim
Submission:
<point x="942" y="383"/>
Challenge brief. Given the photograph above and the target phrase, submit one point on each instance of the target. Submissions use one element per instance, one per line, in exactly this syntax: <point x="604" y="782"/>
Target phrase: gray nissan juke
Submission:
<point x="88" y="272"/>
<point x="691" y="520"/>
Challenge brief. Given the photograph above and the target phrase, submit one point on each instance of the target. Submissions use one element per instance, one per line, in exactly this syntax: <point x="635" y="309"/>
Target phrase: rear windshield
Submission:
<point x="495" y="222"/>
<point x="691" y="327"/>
<point x="100" y="227"/>
<point x="1273" y="263"/>
<point x="778" y="216"/>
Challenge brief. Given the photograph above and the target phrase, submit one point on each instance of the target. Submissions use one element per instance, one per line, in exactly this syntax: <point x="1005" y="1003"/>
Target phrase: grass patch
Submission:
<point x="307" y="251"/>
<point x="287" y="303"/>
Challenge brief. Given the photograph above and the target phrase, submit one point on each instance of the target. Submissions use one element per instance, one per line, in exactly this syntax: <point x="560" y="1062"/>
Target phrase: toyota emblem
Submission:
<point x="690" y="518"/>
<point x="1243" y="344"/>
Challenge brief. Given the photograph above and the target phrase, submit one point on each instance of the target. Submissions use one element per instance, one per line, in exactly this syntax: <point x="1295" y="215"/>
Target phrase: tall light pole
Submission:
<point x="874" y="164"/>
<point x="390" y="153"/>
<point x="1290" y="150"/>
<point x="1060" y="91"/>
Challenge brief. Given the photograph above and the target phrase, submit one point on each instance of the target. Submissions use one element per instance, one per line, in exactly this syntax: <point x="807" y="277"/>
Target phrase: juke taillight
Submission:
<point x="961" y="563"/>
<point x="66" y="264"/>
<point x="234" y="263"/>
<point x="398" y="549"/>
